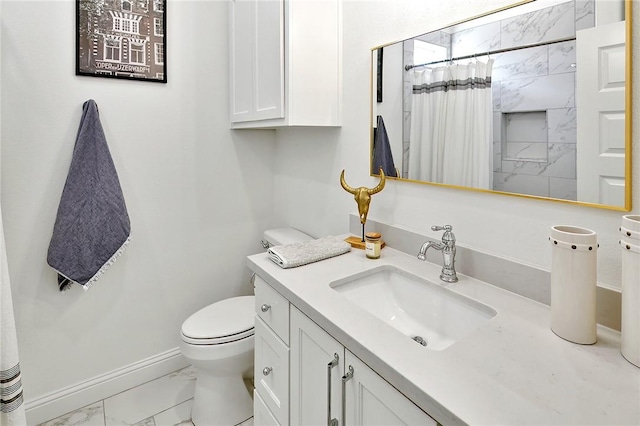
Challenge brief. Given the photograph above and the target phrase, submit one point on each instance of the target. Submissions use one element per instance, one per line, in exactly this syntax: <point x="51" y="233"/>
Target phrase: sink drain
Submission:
<point x="420" y="340"/>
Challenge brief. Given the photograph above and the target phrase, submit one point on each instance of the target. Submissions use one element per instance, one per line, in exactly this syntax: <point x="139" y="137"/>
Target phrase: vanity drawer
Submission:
<point x="272" y="308"/>
<point x="261" y="414"/>
<point x="271" y="371"/>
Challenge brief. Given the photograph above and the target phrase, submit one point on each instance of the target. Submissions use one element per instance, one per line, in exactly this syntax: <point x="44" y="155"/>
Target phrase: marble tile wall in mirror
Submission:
<point x="541" y="127"/>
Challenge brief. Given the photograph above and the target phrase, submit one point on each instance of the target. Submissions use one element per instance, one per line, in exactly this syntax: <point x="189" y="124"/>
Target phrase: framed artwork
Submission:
<point x="123" y="39"/>
<point x="379" y="68"/>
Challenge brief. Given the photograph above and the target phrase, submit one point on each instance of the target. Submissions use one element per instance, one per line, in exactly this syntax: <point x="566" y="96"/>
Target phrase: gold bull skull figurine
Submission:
<point x="363" y="195"/>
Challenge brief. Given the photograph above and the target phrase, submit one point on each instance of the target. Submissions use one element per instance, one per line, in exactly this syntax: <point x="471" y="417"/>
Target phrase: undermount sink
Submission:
<point x="430" y="314"/>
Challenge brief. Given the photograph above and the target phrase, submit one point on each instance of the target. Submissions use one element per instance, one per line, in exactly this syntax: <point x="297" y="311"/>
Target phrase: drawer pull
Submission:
<point x="345" y="379"/>
<point x="267" y="370"/>
<point x="330" y="365"/>
<point x="265" y="307"/>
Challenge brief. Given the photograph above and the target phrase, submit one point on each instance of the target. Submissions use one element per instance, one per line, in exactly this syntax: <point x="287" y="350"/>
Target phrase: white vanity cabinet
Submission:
<point x="285" y="63"/>
<point x="315" y="376"/>
<point x="261" y="414"/>
<point x="299" y="368"/>
<point x="368" y="399"/>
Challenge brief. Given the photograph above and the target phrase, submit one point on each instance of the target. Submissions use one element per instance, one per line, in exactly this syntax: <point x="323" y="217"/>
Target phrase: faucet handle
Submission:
<point x="448" y="237"/>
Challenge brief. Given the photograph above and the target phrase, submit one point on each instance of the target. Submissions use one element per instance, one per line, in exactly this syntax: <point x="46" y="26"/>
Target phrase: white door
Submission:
<point x="600" y="99"/>
<point x="370" y="400"/>
<point x="312" y="351"/>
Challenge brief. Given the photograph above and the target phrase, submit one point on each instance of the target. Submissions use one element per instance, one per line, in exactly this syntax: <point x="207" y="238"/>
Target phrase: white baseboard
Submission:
<point x="65" y="400"/>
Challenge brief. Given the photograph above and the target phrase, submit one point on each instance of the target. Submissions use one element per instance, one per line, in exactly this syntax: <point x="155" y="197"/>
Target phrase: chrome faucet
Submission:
<point x="448" y="249"/>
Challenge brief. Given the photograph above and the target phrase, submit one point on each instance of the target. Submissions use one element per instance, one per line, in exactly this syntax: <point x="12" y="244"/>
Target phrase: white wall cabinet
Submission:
<point x="295" y="382"/>
<point x="285" y="63"/>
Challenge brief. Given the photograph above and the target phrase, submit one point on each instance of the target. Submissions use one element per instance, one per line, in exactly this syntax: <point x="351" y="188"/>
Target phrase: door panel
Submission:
<point x="600" y="99"/>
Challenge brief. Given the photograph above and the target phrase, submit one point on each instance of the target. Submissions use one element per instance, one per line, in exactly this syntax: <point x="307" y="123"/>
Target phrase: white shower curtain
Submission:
<point x="11" y="400"/>
<point x="451" y="125"/>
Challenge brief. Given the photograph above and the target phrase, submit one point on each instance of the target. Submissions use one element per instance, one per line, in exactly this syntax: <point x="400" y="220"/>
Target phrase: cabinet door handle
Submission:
<point x="265" y="307"/>
<point x="330" y="365"/>
<point x="267" y="370"/>
<point x="345" y="379"/>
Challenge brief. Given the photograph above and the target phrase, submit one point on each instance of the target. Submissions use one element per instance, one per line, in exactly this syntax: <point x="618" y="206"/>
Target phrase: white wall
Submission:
<point x="309" y="196"/>
<point x="198" y="194"/>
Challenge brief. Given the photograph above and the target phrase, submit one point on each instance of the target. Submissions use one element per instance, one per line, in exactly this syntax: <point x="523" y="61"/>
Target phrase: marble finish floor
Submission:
<point x="161" y="402"/>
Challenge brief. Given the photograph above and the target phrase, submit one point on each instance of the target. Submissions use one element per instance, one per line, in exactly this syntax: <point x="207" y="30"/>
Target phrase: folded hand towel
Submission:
<point x="301" y="253"/>
<point x="92" y="224"/>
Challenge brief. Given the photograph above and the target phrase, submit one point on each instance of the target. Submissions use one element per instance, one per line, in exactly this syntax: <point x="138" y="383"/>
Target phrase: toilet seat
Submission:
<point x="225" y="321"/>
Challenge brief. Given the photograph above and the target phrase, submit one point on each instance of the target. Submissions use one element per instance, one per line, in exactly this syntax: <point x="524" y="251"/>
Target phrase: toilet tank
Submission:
<point x="279" y="236"/>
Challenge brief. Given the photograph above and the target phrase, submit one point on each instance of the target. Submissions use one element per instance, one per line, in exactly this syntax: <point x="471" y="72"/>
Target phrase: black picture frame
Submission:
<point x="379" y="68"/>
<point x="122" y="39"/>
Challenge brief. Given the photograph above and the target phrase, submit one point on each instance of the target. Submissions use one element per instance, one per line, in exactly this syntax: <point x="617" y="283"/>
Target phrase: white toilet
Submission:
<point x="219" y="340"/>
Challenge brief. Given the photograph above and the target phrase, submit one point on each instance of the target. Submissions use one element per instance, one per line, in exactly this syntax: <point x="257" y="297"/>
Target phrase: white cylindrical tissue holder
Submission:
<point x="573" y="283"/>
<point x="630" y="328"/>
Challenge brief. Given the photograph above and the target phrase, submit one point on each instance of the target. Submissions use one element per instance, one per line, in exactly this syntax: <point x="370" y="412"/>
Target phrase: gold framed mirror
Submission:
<point x="532" y="100"/>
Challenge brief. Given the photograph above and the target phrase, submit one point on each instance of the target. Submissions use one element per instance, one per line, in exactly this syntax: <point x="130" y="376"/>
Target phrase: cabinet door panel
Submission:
<point x="256" y="60"/>
<point x="370" y="400"/>
<point x="241" y="20"/>
<point x="269" y="58"/>
<point x="272" y="308"/>
<point x="271" y="371"/>
<point x="311" y="351"/>
<point x="261" y="414"/>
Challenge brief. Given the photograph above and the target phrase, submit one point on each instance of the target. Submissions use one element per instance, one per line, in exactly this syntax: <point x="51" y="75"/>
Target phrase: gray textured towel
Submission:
<point x="92" y="225"/>
<point x="382" y="156"/>
<point x="304" y="252"/>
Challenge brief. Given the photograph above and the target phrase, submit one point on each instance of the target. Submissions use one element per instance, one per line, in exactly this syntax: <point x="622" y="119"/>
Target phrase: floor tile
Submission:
<point x="174" y="416"/>
<point x="148" y="399"/>
<point x="91" y="415"/>
<point x="146" y="422"/>
<point x="248" y="422"/>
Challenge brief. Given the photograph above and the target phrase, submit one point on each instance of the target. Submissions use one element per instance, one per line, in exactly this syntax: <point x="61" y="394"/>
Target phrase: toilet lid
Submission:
<point x="224" y="321"/>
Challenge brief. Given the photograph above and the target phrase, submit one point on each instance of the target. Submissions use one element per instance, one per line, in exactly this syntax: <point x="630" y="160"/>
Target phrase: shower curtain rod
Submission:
<point x="491" y="52"/>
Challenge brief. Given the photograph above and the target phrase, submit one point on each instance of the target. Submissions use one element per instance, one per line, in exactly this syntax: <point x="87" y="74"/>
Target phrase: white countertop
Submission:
<point x="512" y="370"/>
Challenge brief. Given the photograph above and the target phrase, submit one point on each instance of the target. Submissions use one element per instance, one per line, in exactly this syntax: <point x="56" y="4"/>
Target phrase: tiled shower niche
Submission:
<point x="531" y="156"/>
<point x="524" y="136"/>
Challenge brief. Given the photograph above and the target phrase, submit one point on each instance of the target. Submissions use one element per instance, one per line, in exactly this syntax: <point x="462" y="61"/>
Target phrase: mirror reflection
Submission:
<point x="530" y="100"/>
